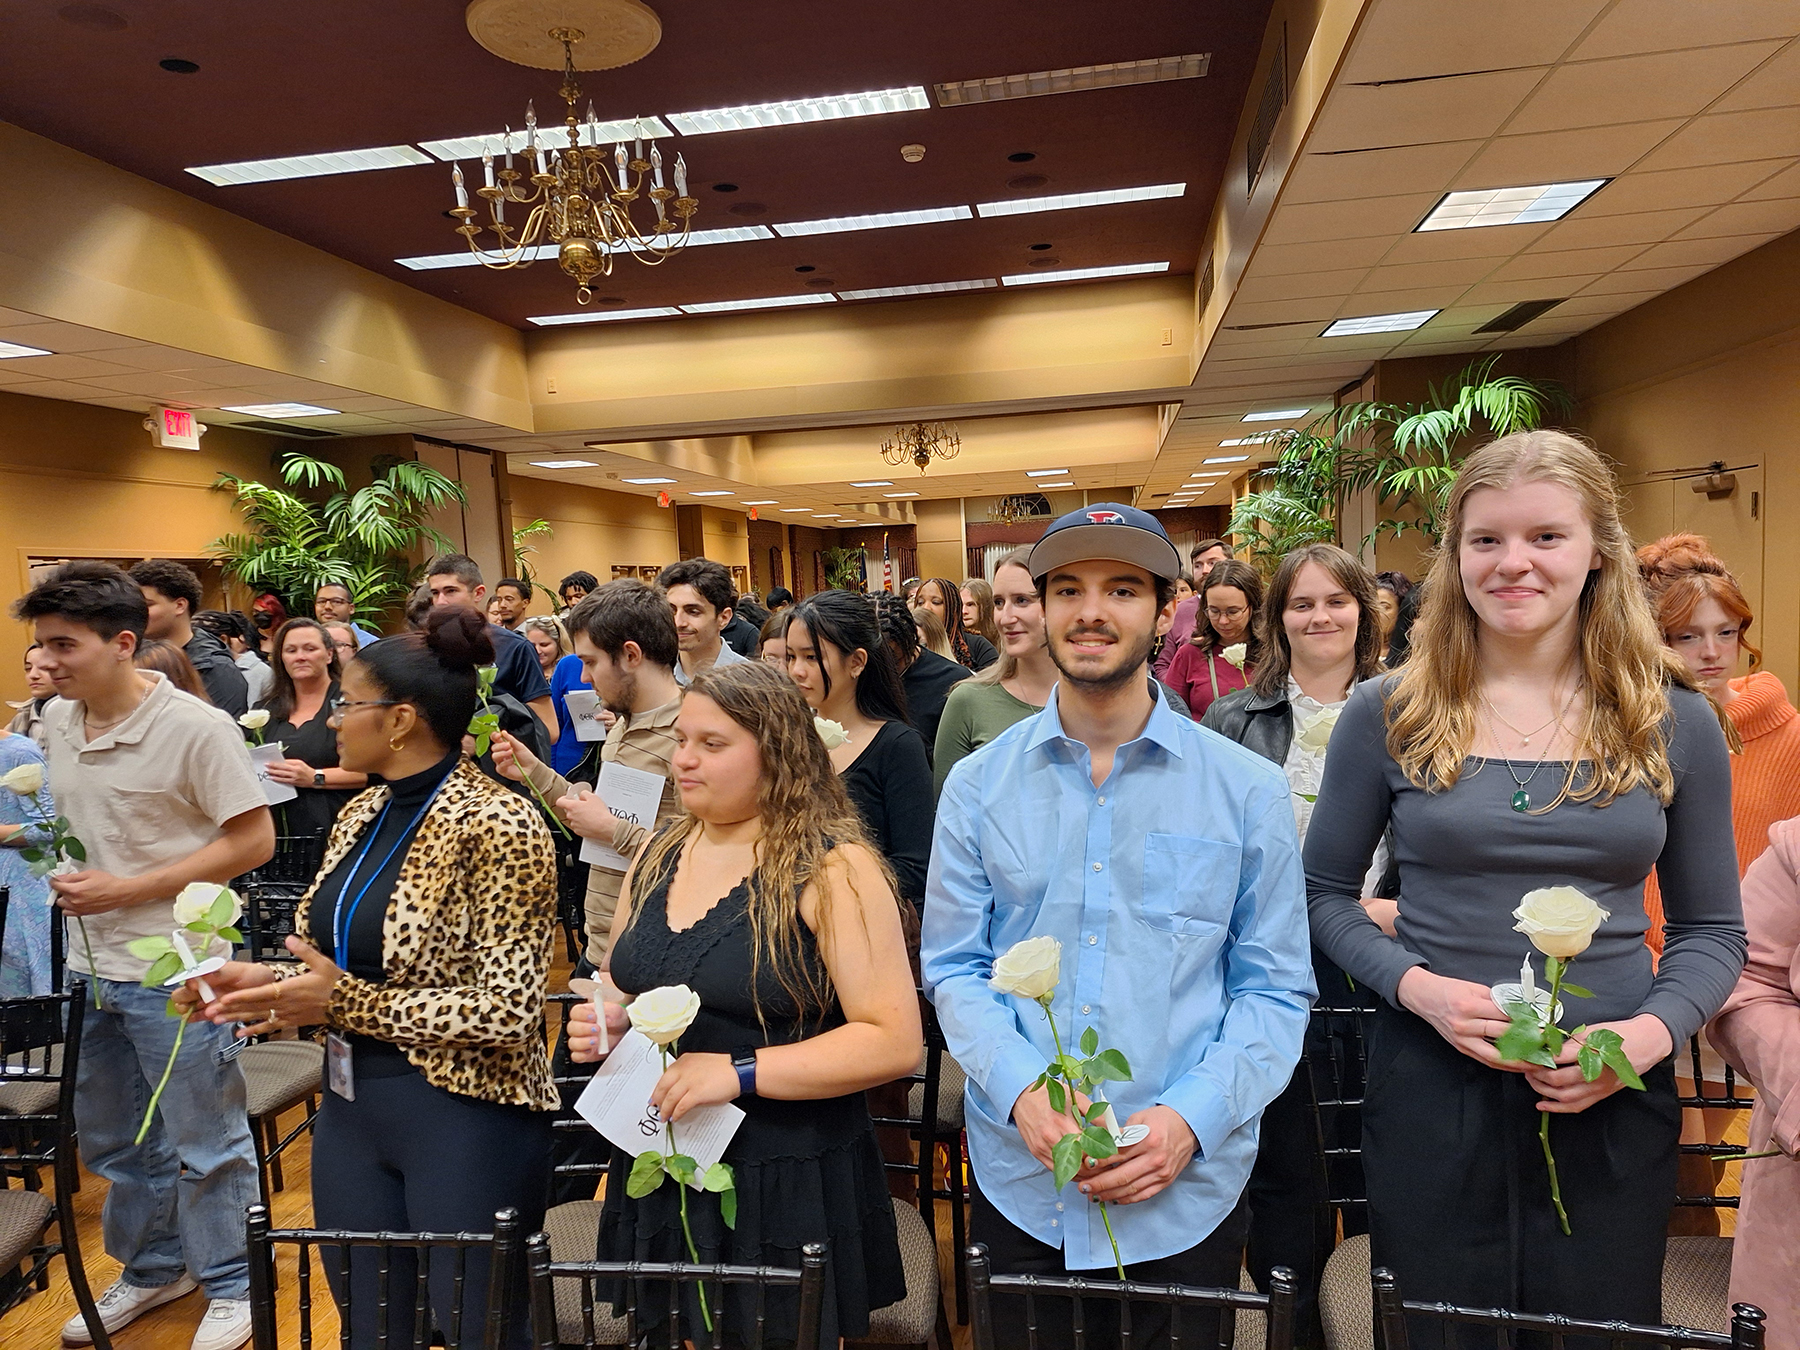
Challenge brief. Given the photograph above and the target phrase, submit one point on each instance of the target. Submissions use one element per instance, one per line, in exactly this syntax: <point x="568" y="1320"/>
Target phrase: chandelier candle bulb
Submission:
<point x="620" y="160"/>
<point x="507" y="143"/>
<point x="680" y="175"/>
<point x="656" y="163"/>
<point x="462" y="194"/>
<point x="487" y="169"/>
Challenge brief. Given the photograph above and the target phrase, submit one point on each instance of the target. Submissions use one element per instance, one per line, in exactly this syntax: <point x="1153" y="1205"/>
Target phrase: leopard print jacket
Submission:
<point x="466" y="944"/>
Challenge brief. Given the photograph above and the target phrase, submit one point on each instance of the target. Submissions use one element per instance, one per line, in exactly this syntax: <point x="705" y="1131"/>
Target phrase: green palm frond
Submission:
<point x="302" y="470"/>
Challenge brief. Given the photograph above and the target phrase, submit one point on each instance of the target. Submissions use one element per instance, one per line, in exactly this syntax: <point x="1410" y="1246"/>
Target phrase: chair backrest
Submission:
<point x="924" y="1126"/>
<point x="1336" y="1067"/>
<point x="1392" y="1312"/>
<point x="1719" y="1094"/>
<point x="40" y="1050"/>
<point x="1277" y="1306"/>
<point x="271" y="893"/>
<point x="568" y="1122"/>
<point x="502" y="1276"/>
<point x="808" y="1281"/>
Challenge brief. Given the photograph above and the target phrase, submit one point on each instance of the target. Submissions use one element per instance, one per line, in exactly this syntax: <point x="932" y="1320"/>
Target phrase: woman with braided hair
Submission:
<point x="943" y="598"/>
<point x="926" y="677"/>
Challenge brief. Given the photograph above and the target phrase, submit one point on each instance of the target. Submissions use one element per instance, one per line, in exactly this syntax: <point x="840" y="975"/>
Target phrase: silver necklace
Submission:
<point x="1521" y="799"/>
<point x="1524" y="737"/>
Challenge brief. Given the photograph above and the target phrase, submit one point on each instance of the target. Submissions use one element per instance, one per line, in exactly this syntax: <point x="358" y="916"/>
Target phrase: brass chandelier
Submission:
<point x="921" y="442"/>
<point x="580" y="197"/>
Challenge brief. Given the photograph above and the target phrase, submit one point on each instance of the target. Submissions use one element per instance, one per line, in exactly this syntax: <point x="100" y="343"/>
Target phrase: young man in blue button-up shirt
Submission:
<point x="1163" y="858"/>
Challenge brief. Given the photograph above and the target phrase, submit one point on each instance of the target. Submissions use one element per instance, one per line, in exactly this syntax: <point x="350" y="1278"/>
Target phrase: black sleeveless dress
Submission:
<point x="807" y="1171"/>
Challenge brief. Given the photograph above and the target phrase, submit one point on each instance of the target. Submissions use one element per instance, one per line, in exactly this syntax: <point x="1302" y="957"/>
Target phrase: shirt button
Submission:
<point x="1103" y="801"/>
<point x="1059" y="1204"/>
<point x="1092" y="939"/>
<point x="1054" y="1223"/>
<point x="1096" y="867"/>
<point x="1084" y="1008"/>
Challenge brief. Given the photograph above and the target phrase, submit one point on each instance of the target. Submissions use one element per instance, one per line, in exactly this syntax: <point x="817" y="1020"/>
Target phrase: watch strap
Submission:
<point x="743" y="1059"/>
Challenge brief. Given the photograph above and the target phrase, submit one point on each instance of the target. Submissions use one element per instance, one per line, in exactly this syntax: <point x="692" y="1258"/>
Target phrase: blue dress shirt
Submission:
<point x="1177" y="893"/>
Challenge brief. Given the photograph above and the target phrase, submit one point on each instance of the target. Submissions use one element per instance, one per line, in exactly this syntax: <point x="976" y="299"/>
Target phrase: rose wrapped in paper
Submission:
<point x="64" y="853"/>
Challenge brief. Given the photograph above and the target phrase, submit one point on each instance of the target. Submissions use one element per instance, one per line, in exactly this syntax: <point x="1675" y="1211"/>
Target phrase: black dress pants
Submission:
<point x="1212" y="1263"/>
<point x="408" y="1157"/>
<point x="1459" y="1194"/>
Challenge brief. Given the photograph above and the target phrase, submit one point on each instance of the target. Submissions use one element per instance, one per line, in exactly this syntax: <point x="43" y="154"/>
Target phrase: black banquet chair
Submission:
<point x="40" y="1053"/>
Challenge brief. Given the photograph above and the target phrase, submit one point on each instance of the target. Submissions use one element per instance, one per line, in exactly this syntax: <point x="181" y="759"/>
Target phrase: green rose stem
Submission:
<point x="169" y="1068"/>
<point x="681" y="1186"/>
<point x="1744" y="1157"/>
<point x="1562" y="1215"/>
<point x="1069" y="1086"/>
<point x="56" y="851"/>
<point x="554" y="818"/>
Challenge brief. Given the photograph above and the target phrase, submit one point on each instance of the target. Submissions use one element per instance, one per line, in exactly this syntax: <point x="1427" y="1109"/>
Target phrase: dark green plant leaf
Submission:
<point x="75" y="848"/>
<point x="32" y="854"/>
<point x="1095" y="1111"/>
<point x="646" y="1175"/>
<point x="149" y="948"/>
<point x="683" y="1168"/>
<point x="1611" y="1047"/>
<point x="232" y="935"/>
<point x="1097" y="1142"/>
<point x="1523" y="1043"/>
<point x="1090" y="1041"/>
<point x="1059" y="1100"/>
<point x="1576" y="990"/>
<point x="163" y="968"/>
<point x="1109" y="1066"/>
<point x="1066" y="1157"/>
<point x="1590" y="1061"/>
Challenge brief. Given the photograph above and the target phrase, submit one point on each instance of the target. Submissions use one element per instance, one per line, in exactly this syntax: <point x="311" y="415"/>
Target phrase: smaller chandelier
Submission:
<point x="1019" y="506"/>
<point x="921" y="442"/>
<point x="580" y="197"/>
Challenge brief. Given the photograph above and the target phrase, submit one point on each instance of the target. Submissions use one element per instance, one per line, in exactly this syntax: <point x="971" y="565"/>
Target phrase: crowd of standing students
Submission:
<point x="1223" y="796"/>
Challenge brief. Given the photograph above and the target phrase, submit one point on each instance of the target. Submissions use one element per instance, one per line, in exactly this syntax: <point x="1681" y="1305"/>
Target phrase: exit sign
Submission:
<point x="175" y="429"/>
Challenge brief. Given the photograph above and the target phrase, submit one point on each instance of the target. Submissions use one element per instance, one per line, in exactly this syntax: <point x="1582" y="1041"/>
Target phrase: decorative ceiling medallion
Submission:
<point x="613" y="33"/>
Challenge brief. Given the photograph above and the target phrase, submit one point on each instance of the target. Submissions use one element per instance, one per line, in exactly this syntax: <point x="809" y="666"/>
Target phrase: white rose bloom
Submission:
<point x="1315" y="733"/>
<point x="24" y="780"/>
<point x="1029" y="969"/>
<point x="663" y="1014"/>
<point x="195" y="903"/>
<point x="832" y="733"/>
<point x="256" y="719"/>
<point x="1236" y="653"/>
<point x="1559" y="920"/>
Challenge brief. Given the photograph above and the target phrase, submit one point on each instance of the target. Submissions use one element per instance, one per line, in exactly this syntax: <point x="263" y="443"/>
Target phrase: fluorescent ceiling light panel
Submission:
<point x="790" y="510"/>
<point x="1021" y="206"/>
<point x="1225" y="459"/>
<point x="1074" y="79"/>
<point x="880" y="220"/>
<point x="647" y="480"/>
<point x="308" y="166"/>
<point x="564" y="464"/>
<point x="770" y="502"/>
<point x="1085" y="274"/>
<point x="1381" y="323"/>
<point x="281" y="410"/>
<point x="1261" y="437"/>
<point x="765" y="302"/>
<point x="554" y="137"/>
<point x="427" y="262"/>
<point x="8" y="350"/>
<point x="1509" y="206"/>
<point x="792" y="111"/>
<point x="1045" y="473"/>
<point x="899" y="494"/>
<point x="875" y="482"/>
<point x="715" y="492"/>
<point x="930" y="288"/>
<point x="1280" y="414"/>
<point x="604" y="316"/>
<point x="1056" y="485"/>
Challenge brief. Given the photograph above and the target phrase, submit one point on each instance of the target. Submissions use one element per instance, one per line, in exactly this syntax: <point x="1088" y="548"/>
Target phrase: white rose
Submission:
<point x="1315" y="733"/>
<point x="255" y="720"/>
<point x="1029" y="969"/>
<point x="663" y="1014"/>
<point x="1236" y="654"/>
<point x="832" y="733"/>
<point x="25" y="780"/>
<point x="1559" y="920"/>
<point x="194" y="904"/>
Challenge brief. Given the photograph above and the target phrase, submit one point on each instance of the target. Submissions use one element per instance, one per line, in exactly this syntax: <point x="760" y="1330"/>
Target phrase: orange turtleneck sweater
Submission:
<point x="1765" y="779"/>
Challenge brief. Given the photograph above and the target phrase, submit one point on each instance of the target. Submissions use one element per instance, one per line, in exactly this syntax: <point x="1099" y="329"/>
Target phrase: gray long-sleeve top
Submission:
<point x="1466" y="858"/>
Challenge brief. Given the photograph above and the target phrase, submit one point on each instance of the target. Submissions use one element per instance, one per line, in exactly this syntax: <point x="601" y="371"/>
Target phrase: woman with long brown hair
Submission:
<point x="1231" y="597"/>
<point x="942" y="598"/>
<point x="307" y="675"/>
<point x="978" y="610"/>
<point x="1539" y="735"/>
<point x="767" y="901"/>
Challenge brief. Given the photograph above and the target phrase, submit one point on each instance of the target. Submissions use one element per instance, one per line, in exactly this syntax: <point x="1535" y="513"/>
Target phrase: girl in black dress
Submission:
<point x="299" y="704"/>
<point x="766" y="900"/>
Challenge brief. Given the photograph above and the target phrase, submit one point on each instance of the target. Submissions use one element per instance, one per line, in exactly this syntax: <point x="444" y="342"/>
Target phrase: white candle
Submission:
<point x="508" y="144"/>
<point x="530" y="129"/>
<point x="487" y="168"/>
<point x="619" y="159"/>
<point x="656" y="163"/>
<point x="462" y="195"/>
<point x="680" y="176"/>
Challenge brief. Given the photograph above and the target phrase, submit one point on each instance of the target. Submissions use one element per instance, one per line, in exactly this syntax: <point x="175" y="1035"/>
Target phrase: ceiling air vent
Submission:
<point x="1207" y="283"/>
<point x="1268" y="112"/>
<point x="1518" y="316"/>
<point x="288" y="429"/>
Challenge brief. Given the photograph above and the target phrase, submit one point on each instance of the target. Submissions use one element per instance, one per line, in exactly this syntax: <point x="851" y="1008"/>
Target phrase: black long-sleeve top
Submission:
<point x="890" y="782"/>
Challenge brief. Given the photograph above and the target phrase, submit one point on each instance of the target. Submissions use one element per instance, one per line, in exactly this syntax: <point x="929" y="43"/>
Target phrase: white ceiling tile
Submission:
<point x="1563" y="156"/>
<point x="1495" y="241"/>
<point x="1404" y="39"/>
<point x="1314" y="222"/>
<point x="1633" y="26"/>
<point x="67" y="367"/>
<point x="1774" y="217"/>
<point x="1343" y="177"/>
<point x="1660" y="278"/>
<point x="1594" y="305"/>
<point x="1724" y="138"/>
<point x="146" y="356"/>
<point x="146" y="385"/>
<point x="1784" y="184"/>
<point x="59" y="389"/>
<point x="1420" y="112"/>
<point x="1642" y="227"/>
<point x="1282" y="311"/>
<point x="1702" y="185"/>
<point x="1455" y="272"/>
<point x="1504" y="293"/>
<point x="59" y="337"/>
<point x="1775" y="85"/>
<point x="1637" y="88"/>
<point x="1297" y="285"/>
<point x="1693" y="252"/>
<point x="1335" y="255"/>
<point x="1590" y="262"/>
<point x="1396" y="302"/>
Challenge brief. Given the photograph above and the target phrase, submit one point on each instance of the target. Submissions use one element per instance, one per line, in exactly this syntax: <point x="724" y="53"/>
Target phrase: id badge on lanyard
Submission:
<point x="340" y="1065"/>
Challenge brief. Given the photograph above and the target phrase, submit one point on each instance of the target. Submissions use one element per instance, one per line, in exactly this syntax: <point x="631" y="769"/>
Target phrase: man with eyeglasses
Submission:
<point x="332" y="603"/>
<point x="344" y="640"/>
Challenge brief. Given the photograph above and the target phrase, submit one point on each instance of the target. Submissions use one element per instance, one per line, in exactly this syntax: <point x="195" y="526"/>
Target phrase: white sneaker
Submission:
<point x="121" y="1304"/>
<point x="226" y="1325"/>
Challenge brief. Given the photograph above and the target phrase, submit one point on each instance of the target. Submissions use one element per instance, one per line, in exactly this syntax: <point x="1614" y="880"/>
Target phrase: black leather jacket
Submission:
<point x="1259" y="722"/>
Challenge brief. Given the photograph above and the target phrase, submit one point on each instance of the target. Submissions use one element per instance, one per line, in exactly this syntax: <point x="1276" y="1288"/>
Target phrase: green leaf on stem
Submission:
<point x="1069" y="1067"/>
<point x="1588" y="1057"/>
<point x="161" y="969"/>
<point x="1095" y="1111"/>
<point x="1066" y="1159"/>
<point x="1523" y="1043"/>
<point x="1097" y="1142"/>
<point x="232" y="935"/>
<point x="60" y="824"/>
<point x="219" y="914"/>
<point x="173" y="1009"/>
<point x="1554" y="1036"/>
<point x="1059" y="1100"/>
<point x="684" y="1169"/>
<point x="646" y="1175"/>
<point x="1520" y="1011"/>
<point x="1612" y="1053"/>
<point x="32" y="854"/>
<point x="718" y="1179"/>
<point x="75" y="849"/>
<point x="1090" y="1041"/>
<point x="1576" y="990"/>
<point x="1109" y="1066"/>
<point x="728" y="1207"/>
<point x="1552" y="969"/>
<point x="149" y="948"/>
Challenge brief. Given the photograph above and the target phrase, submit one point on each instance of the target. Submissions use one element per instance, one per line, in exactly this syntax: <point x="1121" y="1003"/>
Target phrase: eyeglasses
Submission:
<point x="339" y="704"/>
<point x="1236" y="612"/>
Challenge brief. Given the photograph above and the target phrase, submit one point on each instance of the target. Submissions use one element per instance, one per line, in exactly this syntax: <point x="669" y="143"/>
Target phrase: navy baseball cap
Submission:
<point x="1106" y="530"/>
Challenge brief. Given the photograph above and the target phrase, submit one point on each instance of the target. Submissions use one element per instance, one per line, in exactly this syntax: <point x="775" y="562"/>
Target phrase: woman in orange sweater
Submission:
<point x="1705" y="618"/>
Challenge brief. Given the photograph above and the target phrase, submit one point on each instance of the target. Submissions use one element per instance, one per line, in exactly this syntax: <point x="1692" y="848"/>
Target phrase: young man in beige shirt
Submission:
<point x="158" y="787"/>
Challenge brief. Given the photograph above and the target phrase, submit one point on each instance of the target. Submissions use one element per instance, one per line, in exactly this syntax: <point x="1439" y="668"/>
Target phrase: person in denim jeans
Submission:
<point x="158" y="787"/>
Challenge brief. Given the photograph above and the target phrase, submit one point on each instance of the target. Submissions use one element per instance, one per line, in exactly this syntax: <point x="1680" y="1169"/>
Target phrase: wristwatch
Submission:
<point x="743" y="1059"/>
<point x="318" y="778"/>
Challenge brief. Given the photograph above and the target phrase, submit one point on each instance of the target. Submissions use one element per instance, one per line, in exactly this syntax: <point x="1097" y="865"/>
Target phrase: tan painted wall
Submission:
<point x="594" y="529"/>
<point x="1709" y="371"/>
<point x="942" y="552"/>
<point x="725" y="536"/>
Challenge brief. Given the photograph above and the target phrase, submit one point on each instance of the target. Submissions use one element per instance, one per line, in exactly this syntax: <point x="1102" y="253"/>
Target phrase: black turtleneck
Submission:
<point x="393" y="830"/>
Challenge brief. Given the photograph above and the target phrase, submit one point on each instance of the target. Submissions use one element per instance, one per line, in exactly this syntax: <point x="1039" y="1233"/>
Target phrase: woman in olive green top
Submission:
<point x="1010" y="690"/>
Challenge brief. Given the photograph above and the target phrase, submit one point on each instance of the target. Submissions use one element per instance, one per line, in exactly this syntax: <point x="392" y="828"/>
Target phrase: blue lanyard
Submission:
<point x="340" y="921"/>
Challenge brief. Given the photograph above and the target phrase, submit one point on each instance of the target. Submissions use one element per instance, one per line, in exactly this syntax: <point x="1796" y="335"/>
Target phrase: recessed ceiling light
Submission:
<point x="1085" y="273"/>
<point x="1225" y="459"/>
<point x="765" y="302"/>
<point x="604" y="316"/>
<point x="1019" y="206"/>
<point x="770" y="502"/>
<point x="1207" y="473"/>
<point x="789" y="112"/>
<point x="1072" y="80"/>
<point x="1045" y="473"/>
<point x="899" y="494"/>
<point x="930" y="288"/>
<point x="549" y="138"/>
<point x="1381" y="323"/>
<point x="647" y="480"/>
<point x="1278" y="415"/>
<point x="1261" y="437"/>
<point x="875" y="482"/>
<point x="1509" y="206"/>
<point x="281" y="410"/>
<point x="1056" y="485"/>
<point x="308" y="166"/>
<point x="879" y="220"/>
<point x="803" y="510"/>
<point x="714" y="492"/>
<point x="564" y="464"/>
<point x="427" y="262"/>
<point x="8" y="350"/>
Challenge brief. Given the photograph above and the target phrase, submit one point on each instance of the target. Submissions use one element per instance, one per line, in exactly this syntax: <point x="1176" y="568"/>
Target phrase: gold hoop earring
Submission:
<point x="395" y="742"/>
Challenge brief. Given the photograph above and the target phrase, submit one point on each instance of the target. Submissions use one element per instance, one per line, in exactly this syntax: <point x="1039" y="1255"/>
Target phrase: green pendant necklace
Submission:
<point x="1521" y="799"/>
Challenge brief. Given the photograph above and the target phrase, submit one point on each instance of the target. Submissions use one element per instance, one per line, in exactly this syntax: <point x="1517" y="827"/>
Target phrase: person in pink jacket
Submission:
<point x="1758" y="1032"/>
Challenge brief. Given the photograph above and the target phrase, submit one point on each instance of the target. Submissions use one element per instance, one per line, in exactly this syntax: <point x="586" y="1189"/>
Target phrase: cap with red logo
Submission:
<point x="1107" y="530"/>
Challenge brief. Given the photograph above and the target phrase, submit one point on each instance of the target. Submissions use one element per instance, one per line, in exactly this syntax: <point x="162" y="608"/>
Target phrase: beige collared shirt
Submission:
<point x="140" y="796"/>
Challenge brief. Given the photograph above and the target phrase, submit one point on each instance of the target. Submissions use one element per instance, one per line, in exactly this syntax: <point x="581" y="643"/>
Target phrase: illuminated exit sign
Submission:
<point x="174" y="429"/>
